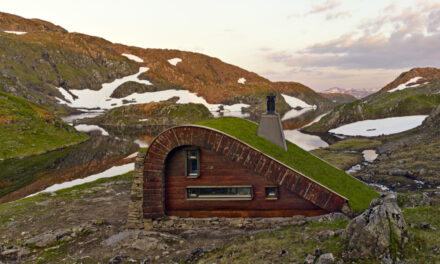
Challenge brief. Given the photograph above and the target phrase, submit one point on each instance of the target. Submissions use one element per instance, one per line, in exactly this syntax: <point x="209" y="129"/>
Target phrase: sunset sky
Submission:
<point x="321" y="43"/>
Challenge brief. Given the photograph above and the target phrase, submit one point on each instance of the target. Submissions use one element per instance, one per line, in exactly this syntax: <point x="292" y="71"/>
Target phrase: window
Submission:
<point x="271" y="192"/>
<point x="219" y="192"/>
<point x="192" y="163"/>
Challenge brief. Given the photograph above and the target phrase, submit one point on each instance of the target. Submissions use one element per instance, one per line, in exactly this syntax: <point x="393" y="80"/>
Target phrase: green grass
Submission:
<point x="355" y="144"/>
<point x="27" y="129"/>
<point x="358" y="193"/>
<point x="341" y="160"/>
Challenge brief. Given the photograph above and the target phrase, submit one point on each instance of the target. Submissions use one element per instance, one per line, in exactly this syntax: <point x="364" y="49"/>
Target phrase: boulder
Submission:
<point x="371" y="234"/>
<point x="327" y="258"/>
<point x="310" y="259"/>
<point x="42" y="240"/>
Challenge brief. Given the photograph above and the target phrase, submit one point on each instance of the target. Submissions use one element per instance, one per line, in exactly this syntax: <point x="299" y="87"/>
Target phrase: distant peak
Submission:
<point x="9" y="22"/>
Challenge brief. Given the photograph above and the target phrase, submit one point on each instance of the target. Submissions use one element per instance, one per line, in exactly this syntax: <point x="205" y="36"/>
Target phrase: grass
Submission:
<point x="341" y="160"/>
<point x="355" y="144"/>
<point x="27" y="129"/>
<point x="265" y="247"/>
<point x="358" y="193"/>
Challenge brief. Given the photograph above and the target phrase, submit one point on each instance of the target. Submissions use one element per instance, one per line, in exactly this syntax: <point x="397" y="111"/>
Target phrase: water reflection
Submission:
<point x="22" y="177"/>
<point x="296" y="119"/>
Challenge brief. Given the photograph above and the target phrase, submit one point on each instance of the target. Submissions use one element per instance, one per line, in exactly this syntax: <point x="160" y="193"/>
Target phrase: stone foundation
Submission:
<point x="176" y="223"/>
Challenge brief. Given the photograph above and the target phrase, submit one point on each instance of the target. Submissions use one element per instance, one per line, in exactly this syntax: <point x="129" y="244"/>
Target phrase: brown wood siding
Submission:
<point x="232" y="150"/>
<point x="215" y="169"/>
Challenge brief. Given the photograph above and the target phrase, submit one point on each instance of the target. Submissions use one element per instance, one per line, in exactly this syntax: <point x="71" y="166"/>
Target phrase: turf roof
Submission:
<point x="358" y="193"/>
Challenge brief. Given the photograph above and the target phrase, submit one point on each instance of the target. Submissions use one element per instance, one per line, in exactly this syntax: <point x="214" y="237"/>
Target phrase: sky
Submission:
<point x="355" y="44"/>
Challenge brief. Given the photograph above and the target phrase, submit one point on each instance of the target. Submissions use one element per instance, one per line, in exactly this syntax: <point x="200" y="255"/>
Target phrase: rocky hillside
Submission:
<point x="34" y="64"/>
<point x="409" y="160"/>
<point x="166" y="113"/>
<point x="27" y="129"/>
<point x="406" y="95"/>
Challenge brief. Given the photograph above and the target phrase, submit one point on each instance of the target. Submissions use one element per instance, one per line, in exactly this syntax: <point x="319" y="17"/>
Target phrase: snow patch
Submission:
<point x="15" y="32"/>
<point x="91" y="99"/>
<point x="295" y="102"/>
<point x="143" y="119"/>
<point x="380" y="186"/>
<point x="241" y="80"/>
<point x="316" y="119"/>
<point x="141" y="143"/>
<point x="114" y="171"/>
<point x="377" y="127"/>
<point x="174" y="61"/>
<point x="132" y="57"/>
<point x="66" y="94"/>
<point x="405" y="85"/>
<point x="292" y="113"/>
<point x="88" y="128"/>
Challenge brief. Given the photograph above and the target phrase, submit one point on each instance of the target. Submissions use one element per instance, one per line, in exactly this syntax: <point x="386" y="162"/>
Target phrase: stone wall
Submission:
<point x="135" y="211"/>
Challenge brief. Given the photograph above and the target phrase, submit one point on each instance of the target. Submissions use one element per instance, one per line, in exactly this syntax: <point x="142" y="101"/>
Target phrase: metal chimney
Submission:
<point x="270" y="126"/>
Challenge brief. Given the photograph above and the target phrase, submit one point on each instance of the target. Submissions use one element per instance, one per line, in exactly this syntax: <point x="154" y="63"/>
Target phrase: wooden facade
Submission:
<point x="225" y="161"/>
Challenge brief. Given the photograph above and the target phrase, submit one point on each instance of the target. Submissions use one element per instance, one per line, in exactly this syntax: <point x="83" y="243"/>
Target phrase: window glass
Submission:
<point x="192" y="163"/>
<point x="219" y="192"/>
<point x="271" y="192"/>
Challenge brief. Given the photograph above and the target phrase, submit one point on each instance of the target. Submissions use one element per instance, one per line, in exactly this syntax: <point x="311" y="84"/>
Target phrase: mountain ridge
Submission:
<point x="79" y="61"/>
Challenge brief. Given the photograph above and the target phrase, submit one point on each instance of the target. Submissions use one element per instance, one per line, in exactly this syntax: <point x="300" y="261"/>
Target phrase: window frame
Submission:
<point x="277" y="192"/>
<point x="220" y="197"/>
<point x="187" y="159"/>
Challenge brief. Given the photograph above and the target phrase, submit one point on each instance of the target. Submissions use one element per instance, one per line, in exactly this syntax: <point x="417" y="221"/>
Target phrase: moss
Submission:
<point x="358" y="193"/>
<point x="33" y="130"/>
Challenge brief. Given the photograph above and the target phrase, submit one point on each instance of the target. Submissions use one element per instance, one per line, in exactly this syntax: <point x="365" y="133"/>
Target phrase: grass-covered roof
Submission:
<point x="358" y="193"/>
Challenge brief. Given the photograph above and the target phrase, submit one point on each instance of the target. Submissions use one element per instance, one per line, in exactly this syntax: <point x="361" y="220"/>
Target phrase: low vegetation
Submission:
<point x="358" y="193"/>
<point x="355" y="144"/>
<point x="155" y="113"/>
<point x="27" y="129"/>
<point x="341" y="160"/>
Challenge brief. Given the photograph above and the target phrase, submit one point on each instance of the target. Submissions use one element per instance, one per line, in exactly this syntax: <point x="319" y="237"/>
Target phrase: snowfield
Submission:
<point x="88" y="128"/>
<point x="295" y="102"/>
<point x="91" y="99"/>
<point x="377" y="127"/>
<point x="405" y="85"/>
<point x="132" y="57"/>
<point x="15" y="32"/>
<point x="174" y="61"/>
<point x="241" y="80"/>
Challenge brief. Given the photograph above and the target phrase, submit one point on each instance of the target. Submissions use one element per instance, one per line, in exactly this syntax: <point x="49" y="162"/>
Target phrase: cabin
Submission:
<point x="231" y="167"/>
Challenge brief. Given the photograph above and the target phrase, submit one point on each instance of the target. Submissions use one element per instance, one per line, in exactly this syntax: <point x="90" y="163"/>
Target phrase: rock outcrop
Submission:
<point x="379" y="228"/>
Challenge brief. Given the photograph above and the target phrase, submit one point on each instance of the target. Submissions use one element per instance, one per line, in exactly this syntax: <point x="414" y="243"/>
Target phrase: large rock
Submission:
<point x="372" y="233"/>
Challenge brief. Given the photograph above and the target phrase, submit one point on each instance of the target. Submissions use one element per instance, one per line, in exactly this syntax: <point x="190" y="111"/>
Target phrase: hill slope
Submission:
<point x="35" y="64"/>
<point x="27" y="129"/>
<point x="416" y="92"/>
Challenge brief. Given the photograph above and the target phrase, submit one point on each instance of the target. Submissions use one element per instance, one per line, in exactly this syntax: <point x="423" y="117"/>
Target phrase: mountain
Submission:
<point x="339" y="97"/>
<point x="60" y="70"/>
<point x="416" y="92"/>
<point x="28" y="129"/>
<point x="358" y="93"/>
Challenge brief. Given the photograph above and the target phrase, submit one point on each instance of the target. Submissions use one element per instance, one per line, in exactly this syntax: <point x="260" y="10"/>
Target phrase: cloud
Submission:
<point x="406" y="38"/>
<point x="337" y="15"/>
<point x="327" y="5"/>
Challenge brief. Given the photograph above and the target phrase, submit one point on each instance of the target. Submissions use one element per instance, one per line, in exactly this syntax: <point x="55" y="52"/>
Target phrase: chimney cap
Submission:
<point x="271" y="104"/>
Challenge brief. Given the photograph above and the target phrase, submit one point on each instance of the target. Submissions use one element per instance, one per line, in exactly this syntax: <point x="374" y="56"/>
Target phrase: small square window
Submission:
<point x="192" y="163"/>
<point x="271" y="192"/>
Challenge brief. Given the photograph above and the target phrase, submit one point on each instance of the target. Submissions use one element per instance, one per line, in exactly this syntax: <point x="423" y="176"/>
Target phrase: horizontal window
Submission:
<point x="231" y="192"/>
